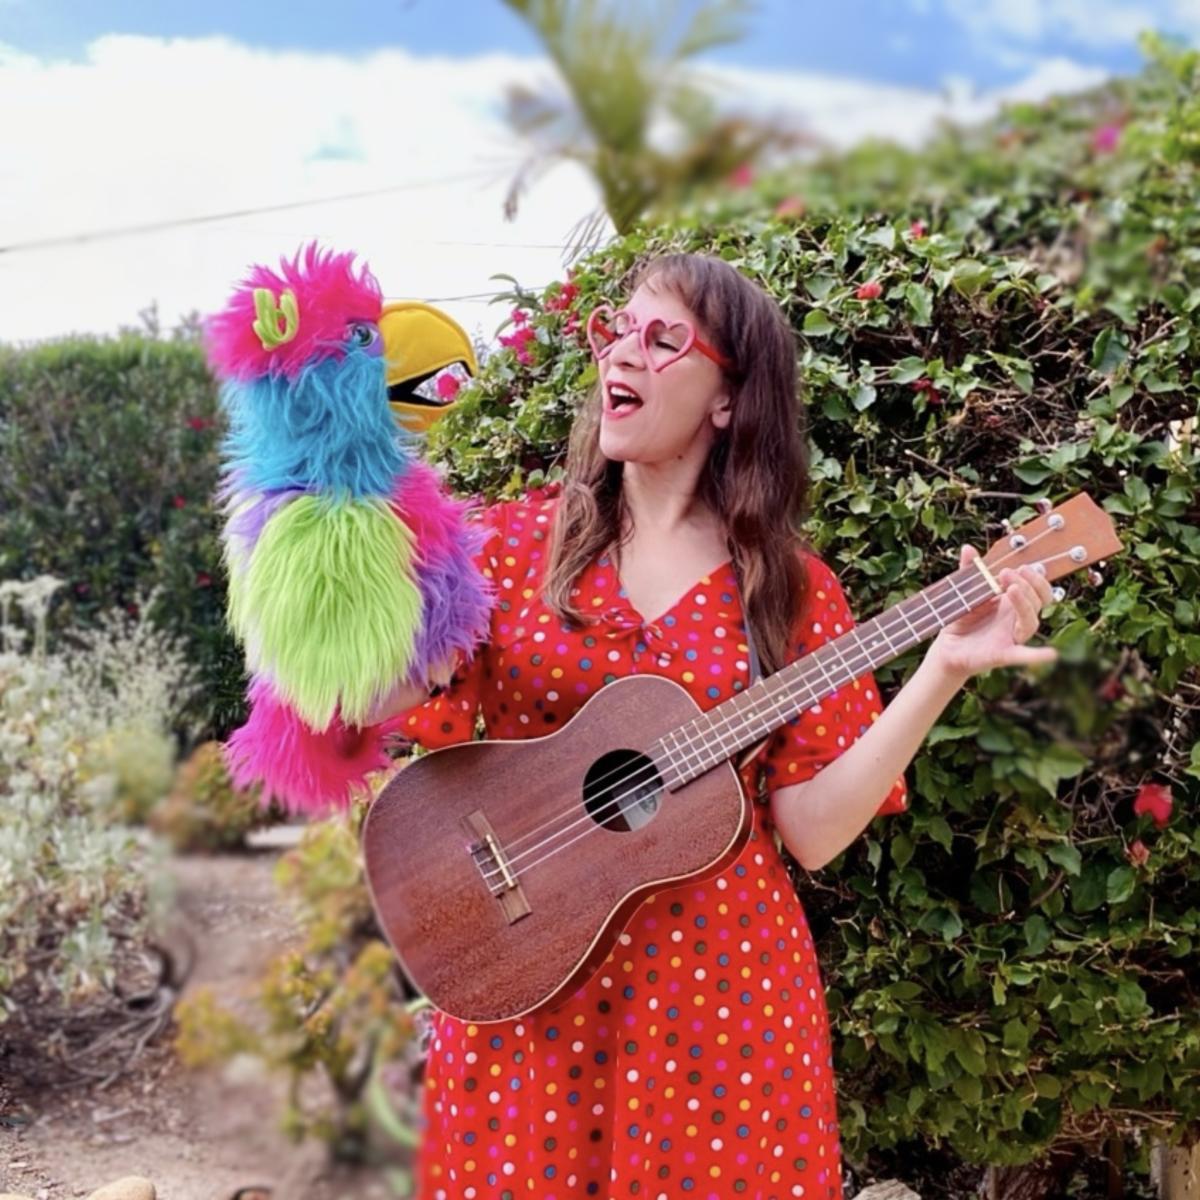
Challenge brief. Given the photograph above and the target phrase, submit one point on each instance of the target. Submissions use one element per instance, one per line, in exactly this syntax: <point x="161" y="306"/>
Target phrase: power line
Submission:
<point x="180" y="222"/>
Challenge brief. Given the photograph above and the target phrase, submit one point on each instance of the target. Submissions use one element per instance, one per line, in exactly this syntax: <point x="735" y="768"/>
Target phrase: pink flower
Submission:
<point x="918" y="228"/>
<point x="871" y="290"/>
<point x="179" y="501"/>
<point x="741" y="177"/>
<point x="519" y="342"/>
<point x="790" y="206"/>
<point x="197" y="423"/>
<point x="1105" y="138"/>
<point x="203" y="579"/>
<point x="519" y="316"/>
<point x="1154" y="799"/>
<point x="447" y="385"/>
<point x="1138" y="854"/>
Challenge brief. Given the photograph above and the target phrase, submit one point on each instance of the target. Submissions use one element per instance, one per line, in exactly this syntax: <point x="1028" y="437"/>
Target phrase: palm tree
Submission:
<point x="633" y="114"/>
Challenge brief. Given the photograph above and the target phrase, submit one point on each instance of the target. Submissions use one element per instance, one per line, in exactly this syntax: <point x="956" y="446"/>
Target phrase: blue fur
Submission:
<point x="329" y="430"/>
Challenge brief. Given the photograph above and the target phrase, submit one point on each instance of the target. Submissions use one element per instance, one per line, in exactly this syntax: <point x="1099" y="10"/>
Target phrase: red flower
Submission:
<point x="932" y="395"/>
<point x="563" y="299"/>
<point x="871" y="290"/>
<point x="1138" y="854"/>
<point x="132" y="609"/>
<point x="447" y="385"/>
<point x="790" y="206"/>
<point x="741" y="177"/>
<point x="1154" y="799"/>
<point x="1111" y="690"/>
<point x="197" y="423"/>
<point x="82" y="589"/>
<point x="572" y="325"/>
<point x="179" y="501"/>
<point x="918" y="228"/>
<point x="519" y="316"/>
<point x="203" y="579"/>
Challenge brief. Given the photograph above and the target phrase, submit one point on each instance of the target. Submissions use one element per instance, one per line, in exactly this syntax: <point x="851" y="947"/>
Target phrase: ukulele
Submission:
<point x="503" y="872"/>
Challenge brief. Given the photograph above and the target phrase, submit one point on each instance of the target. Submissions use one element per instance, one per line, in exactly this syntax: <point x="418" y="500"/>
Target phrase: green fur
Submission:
<point x="329" y="607"/>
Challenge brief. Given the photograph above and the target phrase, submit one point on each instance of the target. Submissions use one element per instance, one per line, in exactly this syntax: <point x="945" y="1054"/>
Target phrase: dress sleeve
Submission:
<point x="818" y="735"/>
<point x="448" y="717"/>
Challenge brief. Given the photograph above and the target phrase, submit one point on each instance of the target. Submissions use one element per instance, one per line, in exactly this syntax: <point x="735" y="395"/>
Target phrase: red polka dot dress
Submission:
<point x="696" y="1062"/>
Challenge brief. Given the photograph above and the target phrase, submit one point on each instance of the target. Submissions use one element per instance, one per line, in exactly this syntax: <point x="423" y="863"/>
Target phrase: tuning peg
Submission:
<point x="1043" y="505"/>
<point x="1094" y="577"/>
<point x="1058" y="593"/>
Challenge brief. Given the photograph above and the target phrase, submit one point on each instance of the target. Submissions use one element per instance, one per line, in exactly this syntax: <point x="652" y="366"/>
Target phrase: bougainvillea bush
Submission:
<point x="1012" y="314"/>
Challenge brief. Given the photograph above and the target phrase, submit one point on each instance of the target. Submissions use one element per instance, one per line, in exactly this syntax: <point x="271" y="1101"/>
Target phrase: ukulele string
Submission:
<point x="770" y="686"/>
<point x="647" y="774"/>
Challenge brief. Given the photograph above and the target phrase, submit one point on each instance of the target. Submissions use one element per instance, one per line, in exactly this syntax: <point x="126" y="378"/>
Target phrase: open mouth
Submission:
<point x="620" y="400"/>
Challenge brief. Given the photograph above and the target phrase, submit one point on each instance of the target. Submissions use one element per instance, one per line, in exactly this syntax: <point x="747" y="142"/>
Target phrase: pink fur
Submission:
<point x="307" y="772"/>
<point x="435" y="519"/>
<point x="329" y="293"/>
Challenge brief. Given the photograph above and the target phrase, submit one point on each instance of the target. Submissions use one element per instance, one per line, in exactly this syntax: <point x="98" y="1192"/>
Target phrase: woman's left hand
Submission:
<point x="994" y="635"/>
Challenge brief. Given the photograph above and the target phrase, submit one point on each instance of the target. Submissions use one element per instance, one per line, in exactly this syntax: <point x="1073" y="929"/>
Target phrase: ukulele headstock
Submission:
<point x="1060" y="539"/>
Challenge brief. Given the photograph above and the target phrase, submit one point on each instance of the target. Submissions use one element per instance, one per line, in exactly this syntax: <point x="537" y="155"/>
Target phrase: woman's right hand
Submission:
<point x="407" y="695"/>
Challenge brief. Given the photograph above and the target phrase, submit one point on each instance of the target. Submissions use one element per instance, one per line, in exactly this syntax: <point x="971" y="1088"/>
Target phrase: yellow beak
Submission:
<point x="418" y="342"/>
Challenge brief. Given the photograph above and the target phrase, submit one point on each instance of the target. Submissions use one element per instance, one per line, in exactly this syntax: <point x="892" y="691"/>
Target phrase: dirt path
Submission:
<point x="197" y="1135"/>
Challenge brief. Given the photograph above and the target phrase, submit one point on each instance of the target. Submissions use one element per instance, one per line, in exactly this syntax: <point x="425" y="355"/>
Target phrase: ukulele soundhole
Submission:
<point x="622" y="790"/>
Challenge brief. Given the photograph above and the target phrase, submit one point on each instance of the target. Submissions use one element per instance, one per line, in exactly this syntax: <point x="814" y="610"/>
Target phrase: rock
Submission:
<point x="889" y="1189"/>
<point x="12" y="1196"/>
<point x="132" y="1187"/>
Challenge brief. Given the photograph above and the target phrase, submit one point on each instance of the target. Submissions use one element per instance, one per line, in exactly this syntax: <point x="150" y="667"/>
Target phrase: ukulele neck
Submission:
<point x="690" y="750"/>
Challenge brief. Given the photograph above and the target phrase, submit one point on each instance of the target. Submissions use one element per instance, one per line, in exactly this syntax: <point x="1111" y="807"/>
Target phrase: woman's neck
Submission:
<point x="661" y="499"/>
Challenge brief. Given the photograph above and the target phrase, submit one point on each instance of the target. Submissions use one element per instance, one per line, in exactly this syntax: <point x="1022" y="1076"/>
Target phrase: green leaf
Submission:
<point x="864" y="397"/>
<point x="819" y="286"/>
<point x="817" y="323"/>
<point x="920" y="302"/>
<point x="1037" y="934"/>
<point x="902" y="849"/>
<point x="1120" y="884"/>
<point x="969" y="275"/>
<point x="908" y="369"/>
<point x="1109" y="351"/>
<point x="1066" y="856"/>
<point x="884" y="236"/>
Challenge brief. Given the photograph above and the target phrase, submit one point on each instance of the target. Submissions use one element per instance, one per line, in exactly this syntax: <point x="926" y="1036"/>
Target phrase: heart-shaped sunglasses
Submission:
<point x="663" y="342"/>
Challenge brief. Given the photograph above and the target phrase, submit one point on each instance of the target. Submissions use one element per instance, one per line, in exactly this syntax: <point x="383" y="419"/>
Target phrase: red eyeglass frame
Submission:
<point x="605" y="313"/>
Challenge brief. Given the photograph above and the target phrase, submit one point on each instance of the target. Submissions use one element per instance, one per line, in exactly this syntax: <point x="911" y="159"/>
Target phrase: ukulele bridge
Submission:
<point x="488" y="854"/>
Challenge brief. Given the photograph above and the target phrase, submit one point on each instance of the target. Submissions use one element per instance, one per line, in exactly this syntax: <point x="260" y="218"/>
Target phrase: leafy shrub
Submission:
<point x="75" y="887"/>
<point x="204" y="811"/>
<point x="1013" y="313"/>
<point x="333" y="1014"/>
<point x="108" y="465"/>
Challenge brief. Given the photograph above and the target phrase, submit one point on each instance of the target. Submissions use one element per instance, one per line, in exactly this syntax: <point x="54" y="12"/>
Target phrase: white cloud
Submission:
<point x="1096" y="23"/>
<point x="145" y="130"/>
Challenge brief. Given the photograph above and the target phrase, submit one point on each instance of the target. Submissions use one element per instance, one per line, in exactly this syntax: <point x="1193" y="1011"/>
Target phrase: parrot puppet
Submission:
<point x="350" y="570"/>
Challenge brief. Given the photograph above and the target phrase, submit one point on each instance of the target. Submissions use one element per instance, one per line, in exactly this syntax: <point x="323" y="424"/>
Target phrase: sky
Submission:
<point x="378" y="127"/>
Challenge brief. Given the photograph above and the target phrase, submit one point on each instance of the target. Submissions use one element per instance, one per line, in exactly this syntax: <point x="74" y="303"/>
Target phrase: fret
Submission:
<point x="900" y="609"/>
<point x="937" y="616"/>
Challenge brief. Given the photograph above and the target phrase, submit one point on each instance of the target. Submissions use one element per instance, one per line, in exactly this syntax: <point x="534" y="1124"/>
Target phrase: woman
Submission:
<point x="697" y="1060"/>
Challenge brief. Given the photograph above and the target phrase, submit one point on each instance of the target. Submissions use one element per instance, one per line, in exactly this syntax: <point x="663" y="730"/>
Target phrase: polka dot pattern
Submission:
<point x="696" y="1061"/>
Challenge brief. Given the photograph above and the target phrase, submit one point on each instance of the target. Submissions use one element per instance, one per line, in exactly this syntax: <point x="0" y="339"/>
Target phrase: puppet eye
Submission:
<point x="361" y="334"/>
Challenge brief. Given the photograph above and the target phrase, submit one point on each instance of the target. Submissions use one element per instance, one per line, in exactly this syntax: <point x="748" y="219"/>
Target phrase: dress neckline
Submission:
<point x="617" y="589"/>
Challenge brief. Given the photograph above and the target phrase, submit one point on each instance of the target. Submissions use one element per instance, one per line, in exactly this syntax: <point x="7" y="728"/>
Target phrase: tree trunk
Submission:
<point x="1035" y="1181"/>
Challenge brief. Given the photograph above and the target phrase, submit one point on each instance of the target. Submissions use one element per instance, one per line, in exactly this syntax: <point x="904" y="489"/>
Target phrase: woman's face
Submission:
<point x="652" y="417"/>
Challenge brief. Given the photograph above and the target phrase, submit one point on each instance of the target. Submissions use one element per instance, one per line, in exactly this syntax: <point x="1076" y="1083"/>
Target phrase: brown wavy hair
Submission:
<point x="756" y="478"/>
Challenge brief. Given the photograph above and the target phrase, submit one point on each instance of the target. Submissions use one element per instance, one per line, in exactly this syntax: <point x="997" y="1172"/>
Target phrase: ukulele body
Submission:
<point x="502" y="872"/>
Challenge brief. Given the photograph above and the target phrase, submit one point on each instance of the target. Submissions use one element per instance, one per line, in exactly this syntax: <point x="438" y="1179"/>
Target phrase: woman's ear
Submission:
<point x="722" y="411"/>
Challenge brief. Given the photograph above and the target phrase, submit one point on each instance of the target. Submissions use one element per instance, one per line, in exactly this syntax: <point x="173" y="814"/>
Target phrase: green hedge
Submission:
<point x="108" y="464"/>
<point x="1012" y="964"/>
